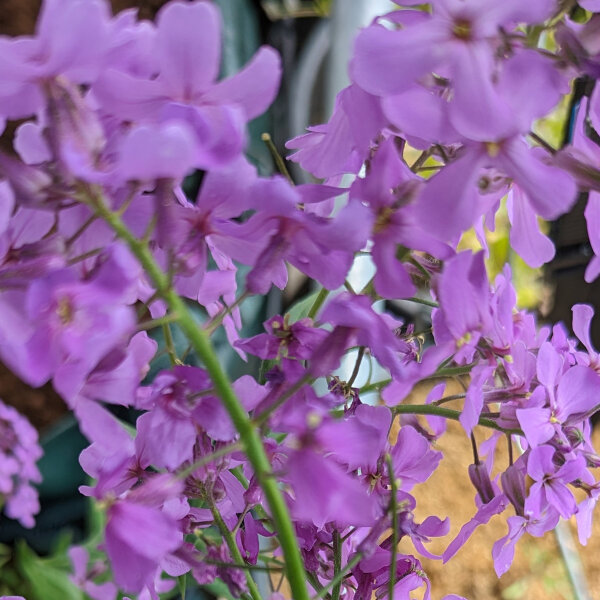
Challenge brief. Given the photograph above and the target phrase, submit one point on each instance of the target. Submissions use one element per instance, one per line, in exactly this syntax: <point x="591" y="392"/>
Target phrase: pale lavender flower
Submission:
<point x="19" y="452"/>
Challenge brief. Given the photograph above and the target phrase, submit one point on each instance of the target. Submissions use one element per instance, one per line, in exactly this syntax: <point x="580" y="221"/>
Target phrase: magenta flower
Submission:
<point x="139" y="535"/>
<point x="356" y="322"/>
<point x="185" y="88"/>
<point x="325" y="493"/>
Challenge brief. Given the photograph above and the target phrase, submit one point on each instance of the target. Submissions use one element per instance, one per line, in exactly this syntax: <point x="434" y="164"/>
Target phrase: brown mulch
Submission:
<point x="537" y="572"/>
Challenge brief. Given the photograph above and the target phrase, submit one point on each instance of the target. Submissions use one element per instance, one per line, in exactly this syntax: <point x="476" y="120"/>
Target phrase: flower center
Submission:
<point x="65" y="311"/>
<point x="462" y="29"/>
<point x="383" y="219"/>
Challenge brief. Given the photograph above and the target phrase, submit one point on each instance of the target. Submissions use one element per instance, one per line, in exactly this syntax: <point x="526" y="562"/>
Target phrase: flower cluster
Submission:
<point x="100" y="246"/>
<point x="18" y="471"/>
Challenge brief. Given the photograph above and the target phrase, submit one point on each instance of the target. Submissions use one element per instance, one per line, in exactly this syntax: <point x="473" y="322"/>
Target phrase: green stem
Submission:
<point x="339" y="577"/>
<point x="81" y="230"/>
<point x="337" y="565"/>
<point x="422" y="301"/>
<point x="359" y="358"/>
<point x="439" y="374"/>
<point x="447" y="413"/>
<point x="223" y="451"/>
<point x="152" y="323"/>
<point x="243" y="567"/>
<point x="233" y="548"/>
<point x="265" y="414"/>
<point x="84" y="256"/>
<point x="450" y="398"/>
<point x="319" y="300"/>
<point x="248" y="434"/>
<point x="214" y="323"/>
<point x="312" y="579"/>
<point x="279" y="161"/>
<point x="170" y="345"/>
<point x="394" y="511"/>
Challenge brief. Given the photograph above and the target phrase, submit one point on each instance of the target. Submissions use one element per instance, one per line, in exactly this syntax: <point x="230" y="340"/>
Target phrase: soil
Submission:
<point x="537" y="573"/>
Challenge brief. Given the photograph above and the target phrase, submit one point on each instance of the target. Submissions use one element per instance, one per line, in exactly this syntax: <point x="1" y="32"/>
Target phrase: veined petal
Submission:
<point x="391" y="279"/>
<point x="388" y="62"/>
<point x="253" y="88"/>
<point x="477" y="109"/>
<point x="448" y="204"/>
<point x="582" y="318"/>
<point x="526" y="238"/>
<point x="188" y="43"/>
<point x="578" y="392"/>
<point x="550" y="190"/>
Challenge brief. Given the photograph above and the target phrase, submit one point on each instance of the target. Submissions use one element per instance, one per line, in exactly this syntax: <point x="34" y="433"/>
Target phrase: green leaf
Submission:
<point x="299" y="310"/>
<point x="218" y="589"/>
<point x="181" y="584"/>
<point x="46" y="582"/>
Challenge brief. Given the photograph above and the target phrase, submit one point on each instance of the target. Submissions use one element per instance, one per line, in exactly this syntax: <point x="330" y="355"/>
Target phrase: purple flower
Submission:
<point x="324" y="492"/>
<point x="342" y="144"/>
<point x="287" y="340"/>
<point x="19" y="452"/>
<point x="356" y="322"/>
<point x="413" y="459"/>
<point x="77" y="324"/>
<point x="494" y="505"/>
<point x="503" y="550"/>
<point x="550" y="482"/>
<point x="458" y="40"/>
<point x="83" y="576"/>
<point x="322" y="248"/>
<point x="465" y="298"/>
<point x="139" y="535"/>
<point x="71" y="39"/>
<point x="391" y="189"/>
<point x="185" y="87"/>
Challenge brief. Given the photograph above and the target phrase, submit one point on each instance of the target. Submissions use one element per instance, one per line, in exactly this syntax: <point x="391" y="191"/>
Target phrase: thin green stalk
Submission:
<point x="319" y="300"/>
<point x="152" y="323"/>
<point x="422" y="301"/>
<point x="265" y="414"/>
<point x="337" y="565"/>
<point x="450" y="398"/>
<point x="243" y="567"/>
<point x="233" y="548"/>
<point x="313" y="580"/>
<point x="81" y="230"/>
<point x="214" y="323"/>
<point x="84" y="256"/>
<point x="279" y="160"/>
<point x="170" y="345"/>
<point x="248" y="434"/>
<point x="394" y="511"/>
<point x="339" y="577"/>
<point x="439" y="374"/>
<point x="223" y="451"/>
<point x="182" y="585"/>
<point x="359" y="358"/>
<point x="447" y="413"/>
